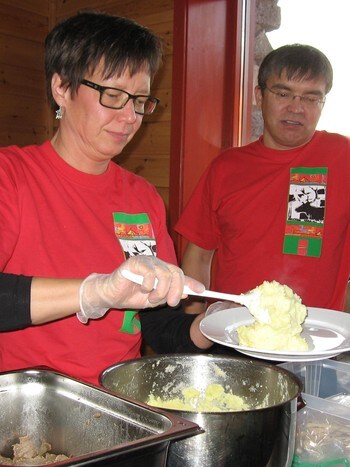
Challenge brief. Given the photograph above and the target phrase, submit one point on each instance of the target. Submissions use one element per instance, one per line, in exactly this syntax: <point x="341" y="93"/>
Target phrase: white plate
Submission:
<point x="326" y="331"/>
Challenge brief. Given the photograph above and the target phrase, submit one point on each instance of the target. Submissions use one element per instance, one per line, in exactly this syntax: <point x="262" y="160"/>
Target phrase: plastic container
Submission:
<point x="326" y="392"/>
<point x="323" y="378"/>
<point x="322" y="434"/>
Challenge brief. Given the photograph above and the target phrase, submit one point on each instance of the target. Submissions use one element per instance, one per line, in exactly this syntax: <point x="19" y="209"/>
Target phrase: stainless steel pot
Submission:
<point x="251" y="438"/>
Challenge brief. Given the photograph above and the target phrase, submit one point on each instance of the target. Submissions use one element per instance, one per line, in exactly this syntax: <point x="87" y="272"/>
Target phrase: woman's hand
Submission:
<point x="100" y="292"/>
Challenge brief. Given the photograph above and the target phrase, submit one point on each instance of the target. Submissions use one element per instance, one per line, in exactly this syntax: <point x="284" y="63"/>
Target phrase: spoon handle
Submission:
<point x="138" y="279"/>
<point x="219" y="295"/>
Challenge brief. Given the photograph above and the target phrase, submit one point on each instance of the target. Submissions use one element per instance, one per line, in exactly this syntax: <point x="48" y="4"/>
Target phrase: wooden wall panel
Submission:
<point x="30" y="6"/>
<point x="26" y="54"/>
<point x="19" y="81"/>
<point x="130" y="8"/>
<point x="21" y="118"/>
<point x="24" y="114"/>
<point x="23" y="23"/>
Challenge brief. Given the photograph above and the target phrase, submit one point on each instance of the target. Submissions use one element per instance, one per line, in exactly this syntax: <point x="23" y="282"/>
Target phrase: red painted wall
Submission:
<point x="206" y="102"/>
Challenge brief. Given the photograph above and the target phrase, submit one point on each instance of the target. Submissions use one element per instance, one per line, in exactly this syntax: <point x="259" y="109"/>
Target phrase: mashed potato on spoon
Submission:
<point x="281" y="332"/>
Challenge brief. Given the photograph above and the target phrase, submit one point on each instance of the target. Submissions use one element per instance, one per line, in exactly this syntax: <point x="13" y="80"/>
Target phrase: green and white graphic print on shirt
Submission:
<point x="136" y="237"/>
<point x="306" y="211"/>
<point x="135" y="234"/>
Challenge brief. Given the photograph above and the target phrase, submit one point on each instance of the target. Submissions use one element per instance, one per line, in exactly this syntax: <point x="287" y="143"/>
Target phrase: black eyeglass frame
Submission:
<point x="102" y="89"/>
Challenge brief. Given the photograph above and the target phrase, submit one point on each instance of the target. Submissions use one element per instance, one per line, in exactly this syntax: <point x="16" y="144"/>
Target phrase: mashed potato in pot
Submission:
<point x="286" y="316"/>
<point x="213" y="399"/>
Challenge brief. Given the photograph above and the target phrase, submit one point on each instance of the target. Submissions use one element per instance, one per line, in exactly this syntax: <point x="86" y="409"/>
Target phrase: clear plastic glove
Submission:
<point x="218" y="306"/>
<point x="100" y="292"/>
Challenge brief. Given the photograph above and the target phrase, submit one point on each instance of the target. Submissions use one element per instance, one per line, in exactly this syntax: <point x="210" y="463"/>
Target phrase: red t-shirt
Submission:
<point x="277" y="215"/>
<point x="56" y="221"/>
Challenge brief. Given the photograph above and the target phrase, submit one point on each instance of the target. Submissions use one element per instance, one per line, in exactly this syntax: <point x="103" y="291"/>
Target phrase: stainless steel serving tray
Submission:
<point x="87" y="423"/>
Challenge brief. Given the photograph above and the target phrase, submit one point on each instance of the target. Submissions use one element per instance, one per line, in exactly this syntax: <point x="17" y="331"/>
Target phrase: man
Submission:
<point x="278" y="208"/>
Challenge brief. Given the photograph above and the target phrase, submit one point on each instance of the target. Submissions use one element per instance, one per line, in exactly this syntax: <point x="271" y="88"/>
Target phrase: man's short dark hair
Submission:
<point x="299" y="62"/>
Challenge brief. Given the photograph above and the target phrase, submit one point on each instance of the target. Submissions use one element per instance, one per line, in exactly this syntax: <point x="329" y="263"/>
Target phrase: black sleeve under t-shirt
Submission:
<point x="14" y="302"/>
<point x="167" y="330"/>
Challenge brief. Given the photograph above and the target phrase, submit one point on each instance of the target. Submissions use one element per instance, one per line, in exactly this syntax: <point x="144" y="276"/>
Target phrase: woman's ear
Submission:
<point x="58" y="90"/>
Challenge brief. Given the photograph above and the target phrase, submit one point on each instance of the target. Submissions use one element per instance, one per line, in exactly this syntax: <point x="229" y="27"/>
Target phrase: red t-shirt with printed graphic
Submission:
<point x="277" y="215"/>
<point x="59" y="222"/>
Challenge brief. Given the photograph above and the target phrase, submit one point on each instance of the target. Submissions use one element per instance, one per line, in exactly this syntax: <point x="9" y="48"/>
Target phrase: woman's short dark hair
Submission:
<point x="299" y="62"/>
<point x="77" y="45"/>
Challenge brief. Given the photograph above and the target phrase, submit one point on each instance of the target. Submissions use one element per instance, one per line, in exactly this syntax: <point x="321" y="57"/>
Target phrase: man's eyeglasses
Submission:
<point x="115" y="98"/>
<point x="288" y="96"/>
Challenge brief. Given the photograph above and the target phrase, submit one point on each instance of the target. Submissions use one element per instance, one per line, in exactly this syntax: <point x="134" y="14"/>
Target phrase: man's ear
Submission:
<point x="258" y="96"/>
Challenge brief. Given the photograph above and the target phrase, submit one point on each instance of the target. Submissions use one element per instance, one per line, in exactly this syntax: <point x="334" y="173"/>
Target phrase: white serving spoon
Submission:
<point x="251" y="300"/>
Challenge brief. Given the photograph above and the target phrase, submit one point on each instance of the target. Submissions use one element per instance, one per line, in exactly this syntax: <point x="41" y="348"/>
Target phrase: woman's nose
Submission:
<point x="128" y="111"/>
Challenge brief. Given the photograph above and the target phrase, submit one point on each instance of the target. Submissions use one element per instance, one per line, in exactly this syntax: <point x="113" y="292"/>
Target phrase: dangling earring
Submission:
<point x="59" y="113"/>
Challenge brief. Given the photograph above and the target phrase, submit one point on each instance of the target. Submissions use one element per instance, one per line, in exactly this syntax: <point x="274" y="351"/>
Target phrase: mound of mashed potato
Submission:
<point x="213" y="399"/>
<point x="286" y="316"/>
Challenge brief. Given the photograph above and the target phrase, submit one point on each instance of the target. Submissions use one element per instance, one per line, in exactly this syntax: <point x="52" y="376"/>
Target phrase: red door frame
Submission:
<point x="208" y="91"/>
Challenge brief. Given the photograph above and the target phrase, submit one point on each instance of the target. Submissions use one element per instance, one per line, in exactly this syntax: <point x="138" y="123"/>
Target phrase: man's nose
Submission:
<point x="296" y="104"/>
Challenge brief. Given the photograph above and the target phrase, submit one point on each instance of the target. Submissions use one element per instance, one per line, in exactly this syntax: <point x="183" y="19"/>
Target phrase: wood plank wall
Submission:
<point x="25" y="117"/>
<point x="24" y="113"/>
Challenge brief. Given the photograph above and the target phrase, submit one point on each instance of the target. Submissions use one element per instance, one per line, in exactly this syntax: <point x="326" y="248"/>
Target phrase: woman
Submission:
<point x="67" y="209"/>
